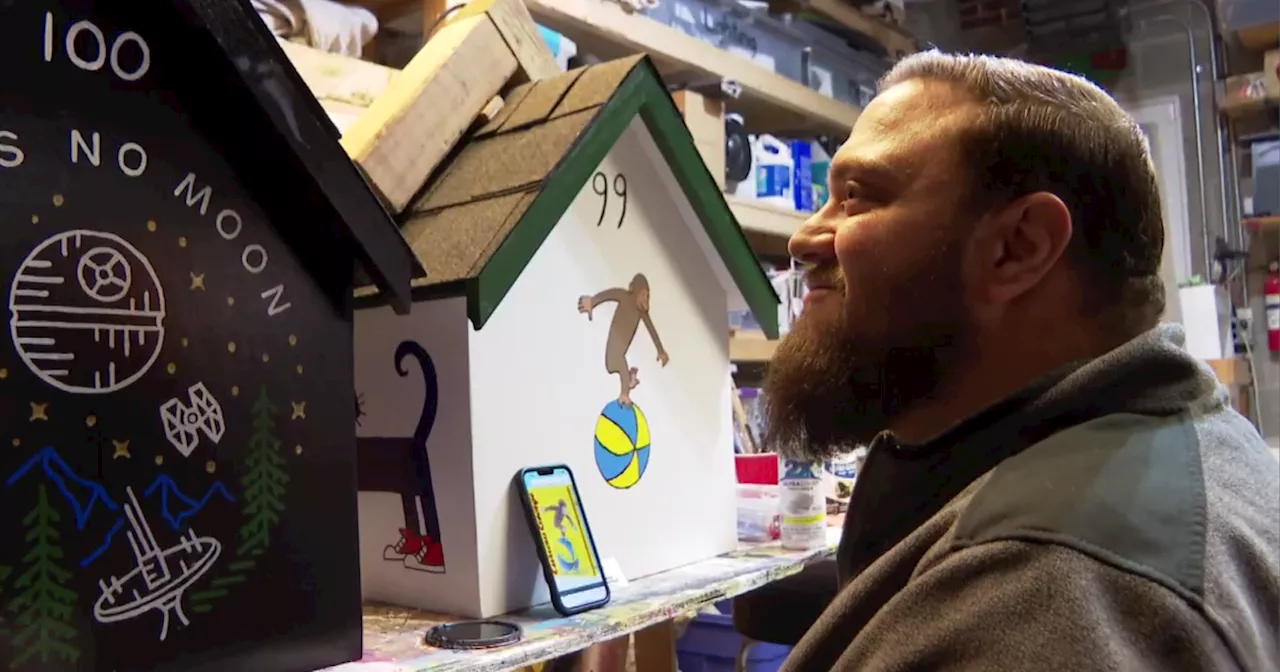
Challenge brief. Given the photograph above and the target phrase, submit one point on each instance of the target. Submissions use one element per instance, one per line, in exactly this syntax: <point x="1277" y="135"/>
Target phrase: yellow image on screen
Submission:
<point x="563" y="536"/>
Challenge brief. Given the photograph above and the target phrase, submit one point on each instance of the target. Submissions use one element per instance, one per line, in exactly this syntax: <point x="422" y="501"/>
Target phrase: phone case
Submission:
<point x="531" y="518"/>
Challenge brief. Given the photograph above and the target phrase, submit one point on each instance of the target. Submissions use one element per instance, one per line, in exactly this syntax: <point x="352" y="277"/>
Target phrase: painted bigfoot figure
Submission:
<point x="633" y="306"/>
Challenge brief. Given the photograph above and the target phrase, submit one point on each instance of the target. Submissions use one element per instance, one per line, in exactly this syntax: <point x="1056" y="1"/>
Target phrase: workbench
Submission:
<point x="393" y="636"/>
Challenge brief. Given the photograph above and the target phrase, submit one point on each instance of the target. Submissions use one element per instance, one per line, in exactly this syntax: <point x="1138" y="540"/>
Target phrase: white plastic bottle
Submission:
<point x="804" y="505"/>
<point x="773" y="169"/>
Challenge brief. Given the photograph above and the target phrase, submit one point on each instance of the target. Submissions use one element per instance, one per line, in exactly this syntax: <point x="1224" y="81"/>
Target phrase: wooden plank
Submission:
<point x="339" y="78"/>
<point x="1261" y="36"/>
<point x="1233" y="371"/>
<point x="517" y="28"/>
<point x="412" y="126"/>
<point x="656" y="648"/>
<point x="705" y="119"/>
<point x="1262" y="224"/>
<point x="769" y="101"/>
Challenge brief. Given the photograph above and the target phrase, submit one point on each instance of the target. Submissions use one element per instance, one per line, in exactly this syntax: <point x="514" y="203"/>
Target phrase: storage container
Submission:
<point x="710" y="644"/>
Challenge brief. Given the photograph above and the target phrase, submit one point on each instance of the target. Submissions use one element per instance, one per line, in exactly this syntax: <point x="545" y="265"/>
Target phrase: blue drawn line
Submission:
<point x="51" y="463"/>
<point x="193" y="506"/>
<point x="105" y="544"/>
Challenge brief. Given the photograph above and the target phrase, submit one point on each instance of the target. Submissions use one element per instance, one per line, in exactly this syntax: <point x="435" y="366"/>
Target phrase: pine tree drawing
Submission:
<point x="44" y="606"/>
<point x="262" y="495"/>
<point x="264" y="481"/>
<point x="5" y="571"/>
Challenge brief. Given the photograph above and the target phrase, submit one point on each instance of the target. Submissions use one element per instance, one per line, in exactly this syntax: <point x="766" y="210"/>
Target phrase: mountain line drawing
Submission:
<point x="171" y="497"/>
<point x="63" y="477"/>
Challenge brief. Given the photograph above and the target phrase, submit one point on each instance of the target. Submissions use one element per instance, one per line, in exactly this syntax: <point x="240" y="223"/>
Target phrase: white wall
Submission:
<point x="392" y="405"/>
<point x="539" y="383"/>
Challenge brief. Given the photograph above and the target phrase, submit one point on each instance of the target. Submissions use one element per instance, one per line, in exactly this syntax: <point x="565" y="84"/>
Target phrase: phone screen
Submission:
<point x="563" y="533"/>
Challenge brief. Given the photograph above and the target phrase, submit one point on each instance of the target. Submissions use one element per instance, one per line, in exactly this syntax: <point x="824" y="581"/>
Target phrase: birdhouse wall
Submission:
<point x="418" y="527"/>
<point x="543" y="374"/>
<point x="178" y="453"/>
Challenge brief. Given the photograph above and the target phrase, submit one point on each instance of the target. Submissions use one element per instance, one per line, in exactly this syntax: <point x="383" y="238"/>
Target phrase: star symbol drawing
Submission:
<point x="299" y="410"/>
<point x="122" y="449"/>
<point x="197" y="280"/>
<point x="39" y="411"/>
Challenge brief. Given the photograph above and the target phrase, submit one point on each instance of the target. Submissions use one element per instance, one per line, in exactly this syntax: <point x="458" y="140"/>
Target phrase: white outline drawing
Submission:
<point x="108" y="268"/>
<point x="37" y="318"/>
<point x="184" y="422"/>
<point x="155" y="584"/>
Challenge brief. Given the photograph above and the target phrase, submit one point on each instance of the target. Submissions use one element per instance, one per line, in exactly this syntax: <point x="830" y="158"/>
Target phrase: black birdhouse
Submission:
<point x="180" y="233"/>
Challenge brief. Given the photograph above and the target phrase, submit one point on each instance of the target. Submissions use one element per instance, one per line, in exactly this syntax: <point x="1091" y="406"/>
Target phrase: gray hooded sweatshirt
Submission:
<point x="1117" y="515"/>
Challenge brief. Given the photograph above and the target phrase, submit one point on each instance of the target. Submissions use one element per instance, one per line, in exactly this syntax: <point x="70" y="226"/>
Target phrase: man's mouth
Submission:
<point x="823" y="278"/>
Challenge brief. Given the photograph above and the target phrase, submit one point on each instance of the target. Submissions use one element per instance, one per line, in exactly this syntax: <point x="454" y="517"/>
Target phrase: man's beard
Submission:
<point x="833" y="385"/>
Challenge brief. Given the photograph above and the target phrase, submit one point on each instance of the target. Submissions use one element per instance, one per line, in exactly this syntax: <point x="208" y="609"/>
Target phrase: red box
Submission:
<point x="758" y="469"/>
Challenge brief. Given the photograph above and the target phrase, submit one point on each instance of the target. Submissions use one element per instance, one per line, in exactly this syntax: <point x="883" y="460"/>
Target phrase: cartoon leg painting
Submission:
<point x="402" y="466"/>
<point x="570" y="561"/>
<point x="632" y="308"/>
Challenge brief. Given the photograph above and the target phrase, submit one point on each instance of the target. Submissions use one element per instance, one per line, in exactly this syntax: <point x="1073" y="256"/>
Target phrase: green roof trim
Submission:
<point x="641" y="93"/>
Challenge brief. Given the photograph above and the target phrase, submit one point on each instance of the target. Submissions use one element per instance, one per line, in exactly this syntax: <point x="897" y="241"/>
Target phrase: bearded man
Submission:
<point x="1052" y="482"/>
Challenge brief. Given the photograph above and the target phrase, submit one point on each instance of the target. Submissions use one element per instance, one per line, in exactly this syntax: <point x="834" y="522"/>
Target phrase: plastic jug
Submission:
<point x="773" y="167"/>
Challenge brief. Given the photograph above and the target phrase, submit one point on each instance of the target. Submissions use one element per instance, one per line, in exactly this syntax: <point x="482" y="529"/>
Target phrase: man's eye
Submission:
<point x="853" y="197"/>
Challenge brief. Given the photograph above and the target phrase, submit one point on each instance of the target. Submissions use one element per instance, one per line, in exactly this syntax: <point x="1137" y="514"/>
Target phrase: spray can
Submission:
<point x="804" y="505"/>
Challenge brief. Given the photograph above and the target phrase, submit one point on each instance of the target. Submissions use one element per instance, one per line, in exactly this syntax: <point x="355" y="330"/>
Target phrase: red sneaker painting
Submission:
<point x="402" y="466"/>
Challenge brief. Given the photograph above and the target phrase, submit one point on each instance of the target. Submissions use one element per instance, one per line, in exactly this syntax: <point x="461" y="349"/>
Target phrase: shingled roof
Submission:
<point x="484" y="214"/>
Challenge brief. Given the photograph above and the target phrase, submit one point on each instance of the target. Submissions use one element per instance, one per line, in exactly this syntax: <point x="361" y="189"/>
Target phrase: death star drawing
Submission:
<point x="87" y="312"/>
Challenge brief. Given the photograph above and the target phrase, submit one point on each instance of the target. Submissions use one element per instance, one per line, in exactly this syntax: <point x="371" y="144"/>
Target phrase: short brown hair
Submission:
<point x="1040" y="129"/>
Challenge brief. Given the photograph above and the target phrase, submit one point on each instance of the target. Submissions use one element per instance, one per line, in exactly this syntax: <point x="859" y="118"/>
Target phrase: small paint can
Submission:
<point x="804" y="505"/>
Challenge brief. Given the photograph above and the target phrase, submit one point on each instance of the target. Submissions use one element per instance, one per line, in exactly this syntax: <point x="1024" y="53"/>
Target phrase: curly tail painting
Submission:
<point x="402" y="466"/>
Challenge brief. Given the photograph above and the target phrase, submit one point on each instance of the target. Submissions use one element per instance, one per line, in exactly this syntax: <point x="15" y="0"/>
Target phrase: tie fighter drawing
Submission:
<point x="183" y="423"/>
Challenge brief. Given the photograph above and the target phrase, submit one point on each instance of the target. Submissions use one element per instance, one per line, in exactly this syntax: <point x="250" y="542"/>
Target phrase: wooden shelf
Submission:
<point x="1233" y="371"/>
<point x="748" y="348"/>
<point x="1260" y="37"/>
<point x="765" y="219"/>
<point x="895" y="39"/>
<point x="1243" y="95"/>
<point x="1257" y="224"/>
<point x="769" y="101"/>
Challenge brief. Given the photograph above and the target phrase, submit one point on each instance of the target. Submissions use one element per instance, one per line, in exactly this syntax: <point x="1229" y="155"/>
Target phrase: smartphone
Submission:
<point x="570" y="562"/>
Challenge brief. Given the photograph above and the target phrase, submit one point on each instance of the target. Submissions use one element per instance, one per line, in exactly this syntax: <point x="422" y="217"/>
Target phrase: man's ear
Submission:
<point x="1015" y="246"/>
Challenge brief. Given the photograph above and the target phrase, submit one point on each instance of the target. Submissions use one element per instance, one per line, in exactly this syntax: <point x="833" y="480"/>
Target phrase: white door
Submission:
<point x="1160" y="120"/>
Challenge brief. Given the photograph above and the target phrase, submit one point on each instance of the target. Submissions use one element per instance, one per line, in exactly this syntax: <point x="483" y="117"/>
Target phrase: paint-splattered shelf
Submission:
<point x="393" y="637"/>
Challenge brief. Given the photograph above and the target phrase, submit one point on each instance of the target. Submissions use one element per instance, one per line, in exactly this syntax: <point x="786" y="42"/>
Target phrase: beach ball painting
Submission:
<point x="622" y="444"/>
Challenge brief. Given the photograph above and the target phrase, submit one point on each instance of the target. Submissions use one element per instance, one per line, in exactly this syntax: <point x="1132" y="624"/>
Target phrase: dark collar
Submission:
<point x="903" y="485"/>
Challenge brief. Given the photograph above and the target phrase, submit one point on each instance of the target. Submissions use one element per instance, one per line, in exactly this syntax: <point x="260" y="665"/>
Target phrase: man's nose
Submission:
<point x="814" y="242"/>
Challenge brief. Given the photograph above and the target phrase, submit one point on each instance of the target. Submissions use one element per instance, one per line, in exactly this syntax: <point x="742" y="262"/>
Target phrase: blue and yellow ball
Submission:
<point x="622" y="444"/>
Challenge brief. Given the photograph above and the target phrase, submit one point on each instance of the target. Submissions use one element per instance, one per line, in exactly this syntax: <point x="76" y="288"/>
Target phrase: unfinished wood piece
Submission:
<point x="705" y="118"/>
<point x="656" y="648"/>
<point x="333" y="77"/>
<point x="519" y="31"/>
<point x="409" y="129"/>
<point x="433" y="14"/>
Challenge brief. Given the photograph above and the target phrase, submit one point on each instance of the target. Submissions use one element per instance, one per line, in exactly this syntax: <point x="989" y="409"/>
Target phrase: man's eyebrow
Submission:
<point x="853" y="168"/>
